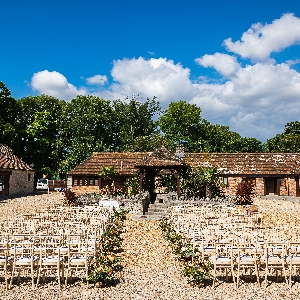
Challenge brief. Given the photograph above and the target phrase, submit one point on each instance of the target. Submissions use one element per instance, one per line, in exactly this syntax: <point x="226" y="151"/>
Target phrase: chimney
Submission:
<point x="180" y="148"/>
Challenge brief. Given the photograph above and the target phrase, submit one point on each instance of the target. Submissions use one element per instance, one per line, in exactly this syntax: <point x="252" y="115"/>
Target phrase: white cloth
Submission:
<point x="109" y="203"/>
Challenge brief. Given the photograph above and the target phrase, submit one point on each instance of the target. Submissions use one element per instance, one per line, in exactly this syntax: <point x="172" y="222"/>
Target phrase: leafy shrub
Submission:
<point x="70" y="198"/>
<point x="132" y="185"/>
<point x="198" y="272"/>
<point x="202" y="182"/>
<point x="244" y="193"/>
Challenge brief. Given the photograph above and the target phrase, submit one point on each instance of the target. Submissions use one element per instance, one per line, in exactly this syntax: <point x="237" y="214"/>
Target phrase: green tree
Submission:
<point x="8" y="117"/>
<point x="288" y="141"/>
<point x="183" y="121"/>
<point x="88" y="128"/>
<point x="42" y="138"/>
<point x="220" y="139"/>
<point x="134" y="126"/>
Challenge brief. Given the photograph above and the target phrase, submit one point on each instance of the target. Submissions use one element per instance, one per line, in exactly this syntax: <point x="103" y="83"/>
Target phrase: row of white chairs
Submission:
<point x="236" y="240"/>
<point x="61" y="240"/>
<point x="36" y="256"/>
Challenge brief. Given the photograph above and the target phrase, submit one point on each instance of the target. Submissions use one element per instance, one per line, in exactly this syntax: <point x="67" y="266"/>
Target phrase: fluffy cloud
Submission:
<point x="97" y="79"/>
<point x="258" y="101"/>
<point x="255" y="100"/>
<point x="154" y="77"/>
<point x="258" y="42"/>
<point x="55" y="84"/>
<point x="223" y="63"/>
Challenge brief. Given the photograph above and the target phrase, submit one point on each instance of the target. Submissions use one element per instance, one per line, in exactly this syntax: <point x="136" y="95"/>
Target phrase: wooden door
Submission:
<point x="270" y="185"/>
<point x="297" y="186"/>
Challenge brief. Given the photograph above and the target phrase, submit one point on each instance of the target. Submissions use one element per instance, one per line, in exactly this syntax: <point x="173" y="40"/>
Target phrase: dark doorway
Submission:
<point x="271" y="186"/>
<point x="297" y="186"/>
<point x="4" y="185"/>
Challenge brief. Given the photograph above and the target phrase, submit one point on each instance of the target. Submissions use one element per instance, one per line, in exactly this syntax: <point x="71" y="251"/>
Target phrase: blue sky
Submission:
<point x="237" y="60"/>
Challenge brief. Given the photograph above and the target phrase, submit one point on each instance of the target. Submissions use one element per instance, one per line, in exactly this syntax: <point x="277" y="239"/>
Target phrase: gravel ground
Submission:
<point x="151" y="271"/>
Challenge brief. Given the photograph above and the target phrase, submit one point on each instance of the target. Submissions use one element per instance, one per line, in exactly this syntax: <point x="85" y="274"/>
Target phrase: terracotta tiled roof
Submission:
<point x="161" y="157"/>
<point x="228" y="163"/>
<point x="248" y="163"/>
<point x="9" y="161"/>
<point x="122" y="161"/>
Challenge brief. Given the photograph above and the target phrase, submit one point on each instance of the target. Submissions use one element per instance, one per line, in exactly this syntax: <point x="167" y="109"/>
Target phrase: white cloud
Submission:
<point x="259" y="41"/>
<point x="97" y="79"/>
<point x="223" y="63"/>
<point x="154" y="77"/>
<point x="257" y="100"/>
<point x="55" y="84"/>
<point x="292" y="62"/>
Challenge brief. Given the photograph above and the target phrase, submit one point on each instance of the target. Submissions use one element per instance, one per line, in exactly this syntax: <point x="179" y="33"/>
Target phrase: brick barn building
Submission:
<point x="270" y="173"/>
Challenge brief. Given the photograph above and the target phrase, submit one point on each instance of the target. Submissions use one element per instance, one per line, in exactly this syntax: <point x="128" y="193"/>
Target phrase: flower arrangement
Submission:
<point x="103" y="267"/>
<point x="197" y="271"/>
<point x="107" y="262"/>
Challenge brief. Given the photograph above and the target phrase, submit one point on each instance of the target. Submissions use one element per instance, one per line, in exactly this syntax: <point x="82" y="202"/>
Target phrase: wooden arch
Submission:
<point x="161" y="159"/>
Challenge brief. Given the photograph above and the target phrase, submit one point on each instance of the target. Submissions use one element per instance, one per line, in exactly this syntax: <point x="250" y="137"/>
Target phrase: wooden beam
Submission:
<point x="141" y="181"/>
<point x="177" y="183"/>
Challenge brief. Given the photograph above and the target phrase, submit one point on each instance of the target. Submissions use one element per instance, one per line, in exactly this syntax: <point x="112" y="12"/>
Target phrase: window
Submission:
<point x="29" y="177"/>
<point x="85" y="181"/>
<point x="225" y="180"/>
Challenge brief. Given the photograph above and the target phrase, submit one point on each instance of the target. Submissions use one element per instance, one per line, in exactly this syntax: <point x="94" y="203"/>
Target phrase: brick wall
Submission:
<point x="81" y="189"/>
<point x="234" y="181"/>
<point x="259" y="188"/>
<point x="19" y="183"/>
<point x="292" y="186"/>
<point x="232" y="185"/>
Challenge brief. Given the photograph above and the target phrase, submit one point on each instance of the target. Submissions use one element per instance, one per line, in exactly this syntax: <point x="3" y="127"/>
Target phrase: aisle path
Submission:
<point x="151" y="270"/>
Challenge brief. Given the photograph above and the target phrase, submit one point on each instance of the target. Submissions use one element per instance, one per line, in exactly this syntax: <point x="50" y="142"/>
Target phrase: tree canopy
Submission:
<point x="54" y="135"/>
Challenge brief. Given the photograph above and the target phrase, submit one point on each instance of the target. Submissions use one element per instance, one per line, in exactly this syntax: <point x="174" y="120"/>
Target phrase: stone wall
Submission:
<point x="20" y="183"/>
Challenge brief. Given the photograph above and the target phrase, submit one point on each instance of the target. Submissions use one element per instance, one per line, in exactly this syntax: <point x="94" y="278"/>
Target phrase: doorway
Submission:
<point x="4" y="185"/>
<point x="272" y="186"/>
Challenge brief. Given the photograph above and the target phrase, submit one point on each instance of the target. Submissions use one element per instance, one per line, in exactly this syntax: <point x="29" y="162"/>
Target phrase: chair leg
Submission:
<point x="12" y="276"/>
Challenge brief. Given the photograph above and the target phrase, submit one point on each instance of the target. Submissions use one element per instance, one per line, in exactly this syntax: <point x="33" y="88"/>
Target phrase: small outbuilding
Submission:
<point x="16" y="177"/>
